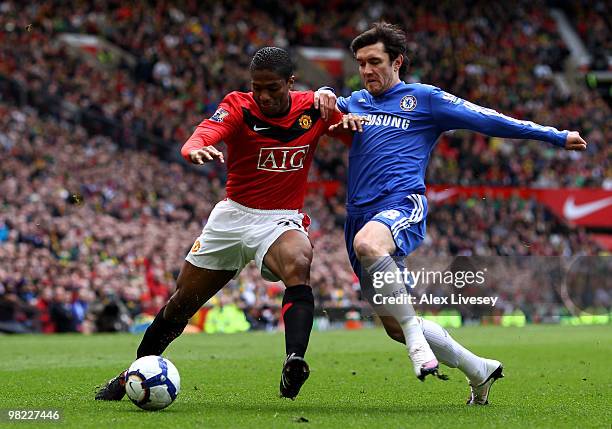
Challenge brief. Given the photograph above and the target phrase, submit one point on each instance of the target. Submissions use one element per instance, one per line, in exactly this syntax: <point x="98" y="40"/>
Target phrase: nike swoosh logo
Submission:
<point x="434" y="196"/>
<point x="572" y="211"/>
<point x="256" y="128"/>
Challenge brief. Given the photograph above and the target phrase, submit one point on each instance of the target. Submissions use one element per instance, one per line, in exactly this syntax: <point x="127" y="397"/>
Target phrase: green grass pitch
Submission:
<point x="555" y="377"/>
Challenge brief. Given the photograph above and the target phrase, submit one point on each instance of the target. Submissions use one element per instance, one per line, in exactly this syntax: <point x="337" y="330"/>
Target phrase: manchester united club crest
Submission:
<point x="305" y="122"/>
<point x="408" y="103"/>
<point x="196" y="246"/>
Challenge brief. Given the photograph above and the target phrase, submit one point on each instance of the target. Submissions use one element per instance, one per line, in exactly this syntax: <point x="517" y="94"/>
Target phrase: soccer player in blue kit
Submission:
<point x="397" y="127"/>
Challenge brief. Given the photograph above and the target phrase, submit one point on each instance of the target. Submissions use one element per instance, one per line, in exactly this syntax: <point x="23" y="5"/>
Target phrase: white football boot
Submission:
<point x="479" y="393"/>
<point x="424" y="361"/>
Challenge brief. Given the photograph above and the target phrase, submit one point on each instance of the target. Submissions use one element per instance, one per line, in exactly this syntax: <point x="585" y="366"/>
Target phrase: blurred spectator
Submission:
<point x="9" y="309"/>
<point x="60" y="311"/>
<point x="80" y="309"/>
<point x="110" y="314"/>
<point x="225" y="318"/>
<point x="4" y="231"/>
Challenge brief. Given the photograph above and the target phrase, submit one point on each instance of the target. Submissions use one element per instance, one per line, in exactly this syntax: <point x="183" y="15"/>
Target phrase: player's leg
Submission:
<point x="289" y="258"/>
<point x="374" y="244"/>
<point x="212" y="261"/>
<point x="194" y="287"/>
<point x="480" y="372"/>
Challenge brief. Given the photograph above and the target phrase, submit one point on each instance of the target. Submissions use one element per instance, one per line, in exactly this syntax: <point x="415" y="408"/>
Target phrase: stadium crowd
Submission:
<point x="189" y="54"/>
<point x="592" y="22"/>
<point x="92" y="236"/>
<point x="93" y="232"/>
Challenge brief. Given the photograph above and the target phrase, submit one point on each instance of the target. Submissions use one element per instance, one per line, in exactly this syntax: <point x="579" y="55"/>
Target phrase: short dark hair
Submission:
<point x="274" y="59"/>
<point x="392" y="37"/>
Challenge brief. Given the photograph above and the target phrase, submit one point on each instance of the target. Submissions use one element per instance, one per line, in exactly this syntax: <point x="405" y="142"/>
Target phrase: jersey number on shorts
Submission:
<point x="288" y="222"/>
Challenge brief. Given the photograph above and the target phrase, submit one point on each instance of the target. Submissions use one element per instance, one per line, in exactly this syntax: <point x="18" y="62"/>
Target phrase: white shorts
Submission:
<point x="235" y="235"/>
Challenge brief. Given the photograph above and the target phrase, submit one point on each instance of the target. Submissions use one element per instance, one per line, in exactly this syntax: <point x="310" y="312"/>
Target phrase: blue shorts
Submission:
<point x="405" y="219"/>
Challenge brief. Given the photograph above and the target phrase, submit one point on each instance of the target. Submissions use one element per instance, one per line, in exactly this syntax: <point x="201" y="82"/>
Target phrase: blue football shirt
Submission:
<point x="387" y="161"/>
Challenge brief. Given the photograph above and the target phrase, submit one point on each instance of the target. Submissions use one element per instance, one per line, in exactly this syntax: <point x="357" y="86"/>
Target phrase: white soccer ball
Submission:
<point x="152" y="382"/>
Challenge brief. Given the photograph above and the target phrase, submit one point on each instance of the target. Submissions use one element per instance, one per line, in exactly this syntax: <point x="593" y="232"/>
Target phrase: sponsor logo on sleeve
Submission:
<point x="196" y="246"/>
<point x="219" y="115"/>
<point x="408" y="103"/>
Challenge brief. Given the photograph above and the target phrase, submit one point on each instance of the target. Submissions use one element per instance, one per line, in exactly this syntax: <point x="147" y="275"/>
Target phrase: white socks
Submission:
<point x="418" y="331"/>
<point x="452" y="354"/>
<point x="403" y="313"/>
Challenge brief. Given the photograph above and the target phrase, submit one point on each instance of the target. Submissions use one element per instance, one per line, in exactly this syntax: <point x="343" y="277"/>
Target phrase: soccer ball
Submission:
<point x="152" y="382"/>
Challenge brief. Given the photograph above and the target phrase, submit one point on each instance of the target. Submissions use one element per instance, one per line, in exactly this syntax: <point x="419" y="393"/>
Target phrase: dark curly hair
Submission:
<point x="392" y="37"/>
<point x="274" y="59"/>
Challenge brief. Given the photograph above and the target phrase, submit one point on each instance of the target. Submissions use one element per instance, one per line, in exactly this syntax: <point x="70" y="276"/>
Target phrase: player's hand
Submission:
<point x="351" y="121"/>
<point x="325" y="101"/>
<point x="206" y="154"/>
<point x="575" y="142"/>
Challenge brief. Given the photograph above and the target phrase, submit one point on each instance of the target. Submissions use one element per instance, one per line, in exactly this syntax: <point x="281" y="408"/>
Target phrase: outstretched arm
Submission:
<point x="199" y="148"/>
<point x="451" y="112"/>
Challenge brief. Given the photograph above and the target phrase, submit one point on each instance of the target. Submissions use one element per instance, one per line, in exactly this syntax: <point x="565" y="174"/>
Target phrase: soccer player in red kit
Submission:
<point x="271" y="135"/>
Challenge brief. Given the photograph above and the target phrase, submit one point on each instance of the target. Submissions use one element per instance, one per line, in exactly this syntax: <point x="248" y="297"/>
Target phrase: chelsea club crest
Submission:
<point x="408" y="103"/>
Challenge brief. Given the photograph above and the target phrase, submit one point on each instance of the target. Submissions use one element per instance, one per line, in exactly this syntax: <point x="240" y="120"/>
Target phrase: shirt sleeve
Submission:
<point x="222" y="124"/>
<point x="342" y="104"/>
<point x="451" y="113"/>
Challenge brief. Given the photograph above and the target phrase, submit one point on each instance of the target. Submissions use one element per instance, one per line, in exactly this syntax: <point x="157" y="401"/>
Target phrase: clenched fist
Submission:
<point x="574" y="141"/>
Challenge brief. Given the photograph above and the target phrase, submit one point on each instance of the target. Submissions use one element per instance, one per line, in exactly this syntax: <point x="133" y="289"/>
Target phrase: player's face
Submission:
<point x="378" y="73"/>
<point x="271" y="92"/>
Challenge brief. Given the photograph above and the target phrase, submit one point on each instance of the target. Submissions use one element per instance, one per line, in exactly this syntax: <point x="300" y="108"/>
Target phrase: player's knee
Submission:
<point x="366" y="248"/>
<point x="298" y="264"/>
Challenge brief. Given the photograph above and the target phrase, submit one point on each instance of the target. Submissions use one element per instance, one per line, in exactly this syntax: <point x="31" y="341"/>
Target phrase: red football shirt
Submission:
<point x="268" y="158"/>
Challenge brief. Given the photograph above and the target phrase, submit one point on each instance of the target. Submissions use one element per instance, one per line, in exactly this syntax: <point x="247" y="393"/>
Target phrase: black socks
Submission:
<point x="297" y="314"/>
<point x="159" y="335"/>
